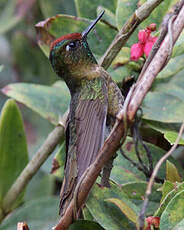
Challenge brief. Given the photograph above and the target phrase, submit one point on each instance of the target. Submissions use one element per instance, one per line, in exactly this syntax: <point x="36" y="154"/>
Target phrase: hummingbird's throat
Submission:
<point x="88" y="72"/>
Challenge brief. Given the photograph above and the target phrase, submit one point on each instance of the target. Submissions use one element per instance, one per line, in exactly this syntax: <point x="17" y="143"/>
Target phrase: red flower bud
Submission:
<point x="149" y="44"/>
<point x="143" y="36"/>
<point x="152" y="27"/>
<point x="136" y="51"/>
<point x="152" y="220"/>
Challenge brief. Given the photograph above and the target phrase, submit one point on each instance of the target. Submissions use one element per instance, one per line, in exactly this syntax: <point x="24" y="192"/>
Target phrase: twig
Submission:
<point x="113" y="141"/>
<point x="121" y="38"/>
<point x="151" y="181"/>
<point x="29" y="171"/>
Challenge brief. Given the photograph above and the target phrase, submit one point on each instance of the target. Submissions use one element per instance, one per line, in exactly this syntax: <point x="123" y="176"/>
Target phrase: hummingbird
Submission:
<point x="95" y="102"/>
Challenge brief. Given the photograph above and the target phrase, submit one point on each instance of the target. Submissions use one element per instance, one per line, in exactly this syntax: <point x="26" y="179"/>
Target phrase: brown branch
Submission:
<point x="152" y="178"/>
<point x="132" y="23"/>
<point x="114" y="140"/>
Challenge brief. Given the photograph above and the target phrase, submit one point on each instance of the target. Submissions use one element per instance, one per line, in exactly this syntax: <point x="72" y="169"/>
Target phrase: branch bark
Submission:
<point x="113" y="141"/>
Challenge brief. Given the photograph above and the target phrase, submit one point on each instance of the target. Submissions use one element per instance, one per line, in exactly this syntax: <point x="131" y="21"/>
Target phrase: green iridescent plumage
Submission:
<point x="95" y="102"/>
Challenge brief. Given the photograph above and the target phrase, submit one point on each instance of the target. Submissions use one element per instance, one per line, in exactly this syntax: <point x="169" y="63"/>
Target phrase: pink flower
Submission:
<point x="149" y="44"/>
<point x="152" y="221"/>
<point x="136" y="51"/>
<point x="145" y="44"/>
<point x="152" y="27"/>
<point x="143" y="36"/>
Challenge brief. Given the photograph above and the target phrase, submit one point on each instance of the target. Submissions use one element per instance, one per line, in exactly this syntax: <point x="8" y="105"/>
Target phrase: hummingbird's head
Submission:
<point x="70" y="55"/>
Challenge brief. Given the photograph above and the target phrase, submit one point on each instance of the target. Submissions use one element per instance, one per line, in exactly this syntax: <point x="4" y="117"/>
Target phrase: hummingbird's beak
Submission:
<point x="90" y="27"/>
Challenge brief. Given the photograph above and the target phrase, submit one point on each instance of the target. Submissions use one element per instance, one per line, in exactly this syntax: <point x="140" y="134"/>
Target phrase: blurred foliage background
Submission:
<point x="22" y="60"/>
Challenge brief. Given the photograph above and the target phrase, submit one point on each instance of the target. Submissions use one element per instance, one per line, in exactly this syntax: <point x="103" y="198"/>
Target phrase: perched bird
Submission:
<point x="95" y="102"/>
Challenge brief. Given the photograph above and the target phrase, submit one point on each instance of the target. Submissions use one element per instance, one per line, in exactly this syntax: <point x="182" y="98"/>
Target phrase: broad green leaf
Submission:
<point x="13" y="147"/>
<point x="173" y="215"/>
<point x="39" y="214"/>
<point x="136" y="192"/>
<point x="168" y="197"/>
<point x="49" y="102"/>
<point x="123" y="171"/>
<point x="170" y="130"/>
<point x="86" y="213"/>
<point x="179" y="47"/>
<point x="85" y="225"/>
<point x="125" y="8"/>
<point x="174" y="66"/>
<point x="59" y="25"/>
<point x="167" y="98"/>
<point x="170" y="107"/>
<point x="87" y="8"/>
<point x="172" y="85"/>
<point x="171" y="136"/>
<point x="128" y="210"/>
<point x="105" y="213"/>
<point x="54" y="7"/>
<point x="172" y="174"/>
<point x="59" y="161"/>
<point x="166" y="188"/>
<point x="121" y="73"/>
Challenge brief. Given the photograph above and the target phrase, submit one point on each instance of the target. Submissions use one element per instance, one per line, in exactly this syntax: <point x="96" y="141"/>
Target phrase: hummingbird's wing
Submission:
<point x="85" y="137"/>
<point x="90" y="125"/>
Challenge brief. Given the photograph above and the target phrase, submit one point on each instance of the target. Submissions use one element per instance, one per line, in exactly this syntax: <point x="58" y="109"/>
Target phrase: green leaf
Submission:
<point x="166" y="188"/>
<point x="125" y="208"/>
<point x="173" y="215"/>
<point x="174" y="66"/>
<point x="172" y="174"/>
<point x="170" y="130"/>
<point x="49" y="102"/>
<point x="13" y="147"/>
<point x="54" y="7"/>
<point x="125" y="8"/>
<point x="121" y="73"/>
<point x="87" y="8"/>
<point x="178" y="47"/>
<point x="171" y="136"/>
<point x="135" y="191"/>
<point x="170" y="107"/>
<point x="57" y="26"/>
<point x="85" y="225"/>
<point x="107" y="214"/>
<point x="59" y="161"/>
<point x="123" y="171"/>
<point x="168" y="197"/>
<point x="37" y="214"/>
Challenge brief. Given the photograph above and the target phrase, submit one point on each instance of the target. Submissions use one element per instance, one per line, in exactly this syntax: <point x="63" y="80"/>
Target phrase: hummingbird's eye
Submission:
<point x="72" y="45"/>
